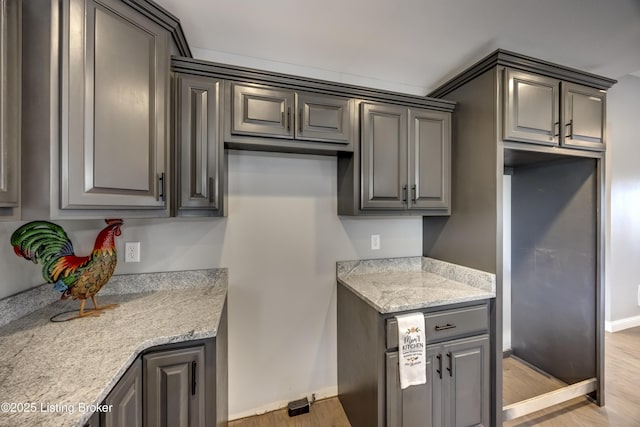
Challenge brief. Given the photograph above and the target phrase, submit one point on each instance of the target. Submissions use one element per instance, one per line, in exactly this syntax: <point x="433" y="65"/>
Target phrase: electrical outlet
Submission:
<point x="375" y="242"/>
<point x="132" y="252"/>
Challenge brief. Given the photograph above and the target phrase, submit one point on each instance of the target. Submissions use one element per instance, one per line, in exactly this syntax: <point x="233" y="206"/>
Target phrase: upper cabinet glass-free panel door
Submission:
<point x="261" y="111"/>
<point x="429" y="159"/>
<point x="10" y="37"/>
<point x="323" y="118"/>
<point x="115" y="81"/>
<point x="384" y="156"/>
<point x="584" y="116"/>
<point x="531" y="111"/>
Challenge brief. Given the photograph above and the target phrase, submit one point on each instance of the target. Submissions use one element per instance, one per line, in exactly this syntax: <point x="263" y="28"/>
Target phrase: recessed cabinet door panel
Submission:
<point x="584" y="116"/>
<point x="466" y="390"/>
<point x="198" y="146"/>
<point x="126" y="400"/>
<point x="531" y="108"/>
<point x="384" y="154"/>
<point x="9" y="102"/>
<point x="262" y="111"/>
<point x="174" y="388"/>
<point x="415" y="406"/>
<point x="114" y="111"/>
<point x="323" y="118"/>
<point x="429" y="157"/>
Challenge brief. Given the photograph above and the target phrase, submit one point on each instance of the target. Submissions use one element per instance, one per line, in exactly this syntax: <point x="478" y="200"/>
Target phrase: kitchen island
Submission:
<point x="57" y="374"/>
<point x="455" y="301"/>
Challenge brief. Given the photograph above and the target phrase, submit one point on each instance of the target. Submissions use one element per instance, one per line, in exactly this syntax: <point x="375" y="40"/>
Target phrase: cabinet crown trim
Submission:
<point x="518" y="61"/>
<point x="307" y="84"/>
<point x="164" y="18"/>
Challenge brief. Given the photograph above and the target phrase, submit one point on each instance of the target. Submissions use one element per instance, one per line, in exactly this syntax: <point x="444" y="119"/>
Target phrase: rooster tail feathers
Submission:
<point x="42" y="242"/>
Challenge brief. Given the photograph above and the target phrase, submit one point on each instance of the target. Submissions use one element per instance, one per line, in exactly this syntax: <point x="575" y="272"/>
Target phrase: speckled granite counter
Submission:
<point x="80" y="361"/>
<point x="399" y="284"/>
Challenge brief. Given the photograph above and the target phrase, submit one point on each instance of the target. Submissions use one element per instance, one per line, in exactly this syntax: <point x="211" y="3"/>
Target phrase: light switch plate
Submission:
<point x="375" y="242"/>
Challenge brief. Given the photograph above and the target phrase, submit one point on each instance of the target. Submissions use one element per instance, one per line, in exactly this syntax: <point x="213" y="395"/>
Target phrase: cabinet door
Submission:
<point x="584" y="116"/>
<point x="323" y="118"/>
<point x="384" y="157"/>
<point x="429" y="159"/>
<point x="10" y="70"/>
<point x="174" y="388"/>
<point x="126" y="398"/>
<point x="415" y="406"/>
<point x="531" y="111"/>
<point x="261" y="111"/>
<point x="198" y="149"/>
<point x="466" y="386"/>
<point x="115" y="82"/>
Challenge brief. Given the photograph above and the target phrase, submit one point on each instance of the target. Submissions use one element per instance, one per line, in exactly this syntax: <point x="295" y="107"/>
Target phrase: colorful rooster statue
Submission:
<point x="79" y="277"/>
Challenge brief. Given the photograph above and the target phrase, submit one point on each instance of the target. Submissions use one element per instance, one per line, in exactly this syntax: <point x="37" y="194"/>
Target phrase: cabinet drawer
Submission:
<point x="446" y="324"/>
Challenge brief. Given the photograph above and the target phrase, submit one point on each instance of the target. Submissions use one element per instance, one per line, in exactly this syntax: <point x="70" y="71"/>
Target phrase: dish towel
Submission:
<point x="412" y="350"/>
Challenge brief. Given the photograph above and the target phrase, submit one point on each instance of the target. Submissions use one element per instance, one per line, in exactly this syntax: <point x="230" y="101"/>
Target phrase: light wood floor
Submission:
<point x="622" y="395"/>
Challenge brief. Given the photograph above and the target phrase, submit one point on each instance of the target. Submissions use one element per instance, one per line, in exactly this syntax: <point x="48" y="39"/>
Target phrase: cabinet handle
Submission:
<point x="450" y="368"/>
<point x="413" y="193"/>
<point x="194" y="366"/>
<point x="289" y="118"/>
<point x="439" y="370"/>
<point x="161" y="187"/>
<point x="210" y="189"/>
<point x="556" y="130"/>
<point x="300" y="119"/>
<point x="445" y="327"/>
<point x="404" y="194"/>
<point x="570" y="126"/>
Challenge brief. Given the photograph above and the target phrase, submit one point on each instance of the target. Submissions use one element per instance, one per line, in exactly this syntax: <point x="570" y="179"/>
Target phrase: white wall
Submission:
<point x="280" y="242"/>
<point x="622" y="268"/>
<point x="506" y="262"/>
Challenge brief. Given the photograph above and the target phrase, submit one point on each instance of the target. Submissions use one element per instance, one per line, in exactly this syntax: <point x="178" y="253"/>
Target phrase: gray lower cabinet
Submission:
<point x="125" y="400"/>
<point x="405" y="158"/>
<point x="174" y="388"/>
<point x="543" y="110"/>
<point x="456" y="393"/>
<point x="199" y="152"/>
<point x="458" y="388"/>
<point x="10" y="72"/>
<point x="270" y="118"/>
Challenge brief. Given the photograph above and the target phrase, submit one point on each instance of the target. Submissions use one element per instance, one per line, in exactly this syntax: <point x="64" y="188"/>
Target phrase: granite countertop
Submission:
<point x="68" y="364"/>
<point x="399" y="284"/>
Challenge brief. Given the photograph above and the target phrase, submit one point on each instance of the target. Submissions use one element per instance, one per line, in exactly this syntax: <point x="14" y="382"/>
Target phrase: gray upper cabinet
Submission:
<point x="429" y="159"/>
<point x="405" y="158"/>
<point x="532" y="108"/>
<point x="10" y="71"/>
<point x="174" y="394"/>
<point x="548" y="111"/>
<point x="115" y="81"/>
<point x="261" y="111"/>
<point x="125" y="400"/>
<point x="323" y="118"/>
<point x="584" y="116"/>
<point x="199" y="153"/>
<point x="95" y="110"/>
<point x="265" y="117"/>
<point x="384" y="156"/>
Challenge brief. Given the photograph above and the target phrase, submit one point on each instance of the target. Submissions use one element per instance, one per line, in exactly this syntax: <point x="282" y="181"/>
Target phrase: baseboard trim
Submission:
<point x="325" y="393"/>
<point x="622" y="324"/>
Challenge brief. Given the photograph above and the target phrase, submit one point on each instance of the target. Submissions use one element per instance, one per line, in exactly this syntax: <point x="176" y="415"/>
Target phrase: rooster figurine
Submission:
<point x="79" y="277"/>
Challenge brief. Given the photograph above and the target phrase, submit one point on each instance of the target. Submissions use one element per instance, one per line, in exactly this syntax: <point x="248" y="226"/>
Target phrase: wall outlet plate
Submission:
<point x="375" y="242"/>
<point x="132" y="252"/>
